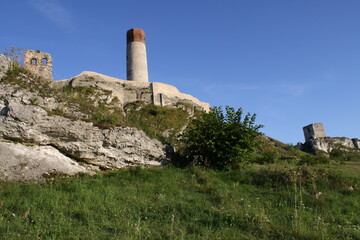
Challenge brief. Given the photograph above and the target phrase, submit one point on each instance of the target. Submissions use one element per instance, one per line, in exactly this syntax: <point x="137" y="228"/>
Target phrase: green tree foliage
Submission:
<point x="219" y="140"/>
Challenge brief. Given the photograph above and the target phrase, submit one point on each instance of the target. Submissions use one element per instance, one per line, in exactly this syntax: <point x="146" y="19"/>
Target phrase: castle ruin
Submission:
<point x="315" y="139"/>
<point x="313" y="131"/>
<point x="39" y="63"/>
<point x="137" y="86"/>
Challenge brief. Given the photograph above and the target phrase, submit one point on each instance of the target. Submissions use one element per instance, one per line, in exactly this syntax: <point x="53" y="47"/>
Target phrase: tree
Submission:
<point x="15" y="54"/>
<point x="221" y="141"/>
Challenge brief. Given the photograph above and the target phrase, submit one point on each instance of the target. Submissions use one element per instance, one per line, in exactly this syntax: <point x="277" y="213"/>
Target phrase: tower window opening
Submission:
<point x="44" y="61"/>
<point x="33" y="61"/>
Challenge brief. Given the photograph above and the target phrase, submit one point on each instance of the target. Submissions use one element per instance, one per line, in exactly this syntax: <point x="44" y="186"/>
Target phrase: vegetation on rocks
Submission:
<point x="163" y="123"/>
<point x="101" y="108"/>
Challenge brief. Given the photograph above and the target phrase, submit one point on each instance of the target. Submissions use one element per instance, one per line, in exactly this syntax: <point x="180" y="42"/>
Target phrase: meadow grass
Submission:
<point x="266" y="202"/>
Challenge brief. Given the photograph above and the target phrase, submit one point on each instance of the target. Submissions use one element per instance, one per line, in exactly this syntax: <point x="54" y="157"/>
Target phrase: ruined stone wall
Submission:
<point x="39" y="63"/>
<point x="130" y="91"/>
<point x="164" y="94"/>
<point x="313" y="131"/>
<point x="315" y="140"/>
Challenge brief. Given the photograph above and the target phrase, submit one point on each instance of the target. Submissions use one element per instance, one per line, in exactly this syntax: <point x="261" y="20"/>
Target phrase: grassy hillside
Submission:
<point x="283" y="194"/>
<point x="261" y="202"/>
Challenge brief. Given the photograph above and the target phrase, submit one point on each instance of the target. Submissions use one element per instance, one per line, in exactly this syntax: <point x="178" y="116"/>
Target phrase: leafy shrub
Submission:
<point x="221" y="141"/>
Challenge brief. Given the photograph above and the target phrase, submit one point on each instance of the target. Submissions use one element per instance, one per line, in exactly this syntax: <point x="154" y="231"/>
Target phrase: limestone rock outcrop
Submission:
<point x="129" y="91"/>
<point x="327" y="144"/>
<point x="24" y="163"/>
<point x="316" y="141"/>
<point x="66" y="142"/>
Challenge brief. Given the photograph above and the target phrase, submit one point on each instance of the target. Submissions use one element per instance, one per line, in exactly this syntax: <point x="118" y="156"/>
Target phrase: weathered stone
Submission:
<point x="130" y="91"/>
<point x="108" y="148"/>
<point x="313" y="131"/>
<point x="316" y="140"/>
<point x="327" y="144"/>
<point x="39" y="63"/>
<point x="24" y="163"/>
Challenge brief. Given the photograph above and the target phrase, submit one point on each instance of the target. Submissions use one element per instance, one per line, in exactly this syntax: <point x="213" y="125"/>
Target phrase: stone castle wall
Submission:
<point x="130" y="91"/>
<point x="313" y="131"/>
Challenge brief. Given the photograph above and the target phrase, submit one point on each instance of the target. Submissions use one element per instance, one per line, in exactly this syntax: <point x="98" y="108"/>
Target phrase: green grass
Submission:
<point x="261" y="202"/>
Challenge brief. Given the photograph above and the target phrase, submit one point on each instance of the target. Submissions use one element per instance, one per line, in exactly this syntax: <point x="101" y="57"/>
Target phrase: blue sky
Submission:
<point x="292" y="62"/>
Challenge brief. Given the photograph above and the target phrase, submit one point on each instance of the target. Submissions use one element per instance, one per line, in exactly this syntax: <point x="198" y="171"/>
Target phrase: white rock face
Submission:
<point x="327" y="144"/>
<point x="64" y="141"/>
<point x="23" y="163"/>
<point x="130" y="91"/>
<point x="107" y="148"/>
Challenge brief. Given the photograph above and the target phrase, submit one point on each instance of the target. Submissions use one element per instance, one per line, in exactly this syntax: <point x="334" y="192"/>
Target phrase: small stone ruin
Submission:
<point x="39" y="63"/>
<point x="316" y="139"/>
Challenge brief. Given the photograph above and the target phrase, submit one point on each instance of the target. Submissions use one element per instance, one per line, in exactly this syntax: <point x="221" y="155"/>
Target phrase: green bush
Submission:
<point x="219" y="140"/>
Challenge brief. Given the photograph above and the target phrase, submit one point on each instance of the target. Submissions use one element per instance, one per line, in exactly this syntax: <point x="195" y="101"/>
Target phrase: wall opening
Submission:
<point x="39" y="63"/>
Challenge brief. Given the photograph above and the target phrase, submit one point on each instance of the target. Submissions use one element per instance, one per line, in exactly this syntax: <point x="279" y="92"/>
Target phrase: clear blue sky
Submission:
<point x="292" y="62"/>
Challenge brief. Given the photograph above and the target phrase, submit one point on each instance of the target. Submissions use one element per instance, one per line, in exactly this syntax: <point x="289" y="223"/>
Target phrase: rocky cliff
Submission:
<point x="327" y="144"/>
<point x="35" y="142"/>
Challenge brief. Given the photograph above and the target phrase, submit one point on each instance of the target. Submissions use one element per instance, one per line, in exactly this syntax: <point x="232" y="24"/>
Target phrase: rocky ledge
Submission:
<point x="34" y="143"/>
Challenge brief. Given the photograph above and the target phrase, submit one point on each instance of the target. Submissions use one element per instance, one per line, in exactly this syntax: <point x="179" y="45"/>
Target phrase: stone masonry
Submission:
<point x="39" y="63"/>
<point x="313" y="131"/>
<point x="137" y="86"/>
<point x="315" y="140"/>
<point x="136" y="60"/>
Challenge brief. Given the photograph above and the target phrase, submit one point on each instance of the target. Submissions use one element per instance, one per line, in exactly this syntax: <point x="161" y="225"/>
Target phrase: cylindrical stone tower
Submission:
<point x="136" y="62"/>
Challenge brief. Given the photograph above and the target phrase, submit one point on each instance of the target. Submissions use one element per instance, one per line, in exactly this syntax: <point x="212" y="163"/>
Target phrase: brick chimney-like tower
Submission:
<point x="136" y="61"/>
